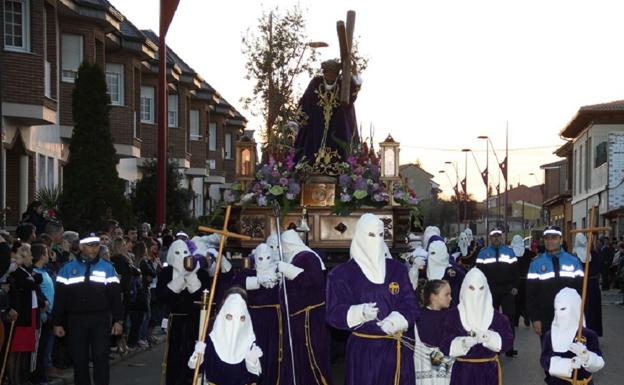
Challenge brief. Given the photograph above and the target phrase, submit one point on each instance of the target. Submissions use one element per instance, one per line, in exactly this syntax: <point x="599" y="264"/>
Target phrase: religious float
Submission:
<point x="322" y="201"/>
<point x="319" y="171"/>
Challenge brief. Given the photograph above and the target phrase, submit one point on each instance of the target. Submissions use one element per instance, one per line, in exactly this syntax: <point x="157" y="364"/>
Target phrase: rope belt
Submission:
<point x="578" y="382"/>
<point x="280" y="355"/>
<point x="397" y="338"/>
<point x="316" y="371"/>
<point x="486" y="360"/>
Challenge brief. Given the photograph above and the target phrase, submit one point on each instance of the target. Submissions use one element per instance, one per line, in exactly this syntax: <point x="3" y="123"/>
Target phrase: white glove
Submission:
<point x="252" y="360"/>
<point x="581" y="352"/>
<point x="489" y="339"/>
<point x="251" y="283"/>
<point x="289" y="270"/>
<point x="192" y="282"/>
<point x="177" y="284"/>
<point x="461" y="345"/>
<point x="575" y="363"/>
<point x="226" y="265"/>
<point x="420" y="262"/>
<point x="393" y="323"/>
<point x="268" y="280"/>
<point x="200" y="348"/>
<point x="369" y="311"/>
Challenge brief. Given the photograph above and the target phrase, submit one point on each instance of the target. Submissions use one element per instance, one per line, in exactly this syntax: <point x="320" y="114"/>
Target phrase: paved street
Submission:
<point x="144" y="368"/>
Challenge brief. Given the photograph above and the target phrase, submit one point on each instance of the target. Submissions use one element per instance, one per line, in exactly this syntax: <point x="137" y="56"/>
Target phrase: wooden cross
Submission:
<point x="345" y="40"/>
<point x="591" y="230"/>
<point x="224" y="235"/>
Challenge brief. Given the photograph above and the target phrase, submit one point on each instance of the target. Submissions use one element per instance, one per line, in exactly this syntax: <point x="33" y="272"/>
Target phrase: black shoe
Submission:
<point x="511" y="353"/>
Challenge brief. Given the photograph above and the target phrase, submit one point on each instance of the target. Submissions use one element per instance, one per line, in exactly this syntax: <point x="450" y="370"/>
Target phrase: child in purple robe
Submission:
<point x="474" y="333"/>
<point x="372" y="297"/>
<point x="230" y="354"/>
<point x="562" y="353"/>
<point x="432" y="367"/>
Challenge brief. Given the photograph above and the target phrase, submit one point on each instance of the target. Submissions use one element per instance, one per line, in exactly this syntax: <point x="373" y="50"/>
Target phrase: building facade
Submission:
<point x="43" y="44"/>
<point x="597" y="136"/>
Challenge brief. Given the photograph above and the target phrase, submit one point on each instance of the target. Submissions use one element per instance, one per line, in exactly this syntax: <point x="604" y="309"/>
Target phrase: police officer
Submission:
<point x="87" y="307"/>
<point x="500" y="266"/>
<point x="548" y="274"/>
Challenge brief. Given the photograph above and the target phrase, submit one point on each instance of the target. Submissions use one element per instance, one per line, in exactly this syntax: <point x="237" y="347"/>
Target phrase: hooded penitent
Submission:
<point x="463" y="243"/>
<point x="580" y="246"/>
<point x="273" y="244"/>
<point x="293" y="245"/>
<point x="469" y="235"/>
<point x="263" y="259"/>
<point x="517" y="245"/>
<point x="232" y="334"/>
<point x="430" y="231"/>
<point x="367" y="248"/>
<point x="567" y="314"/>
<point x="438" y="260"/>
<point x="475" y="302"/>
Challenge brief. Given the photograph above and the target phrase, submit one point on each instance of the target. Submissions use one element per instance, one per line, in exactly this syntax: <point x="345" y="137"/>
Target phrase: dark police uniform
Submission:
<point x="548" y="274"/>
<point x="87" y="300"/>
<point x="500" y="267"/>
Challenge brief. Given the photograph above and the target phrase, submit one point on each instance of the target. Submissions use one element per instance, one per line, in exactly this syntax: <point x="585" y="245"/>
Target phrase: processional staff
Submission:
<point x="591" y="230"/>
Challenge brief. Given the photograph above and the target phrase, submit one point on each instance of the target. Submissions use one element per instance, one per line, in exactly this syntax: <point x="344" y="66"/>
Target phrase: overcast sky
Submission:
<point x="440" y="72"/>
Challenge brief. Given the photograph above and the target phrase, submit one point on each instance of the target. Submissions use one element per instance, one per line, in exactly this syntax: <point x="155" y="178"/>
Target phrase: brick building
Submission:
<point x="43" y="44"/>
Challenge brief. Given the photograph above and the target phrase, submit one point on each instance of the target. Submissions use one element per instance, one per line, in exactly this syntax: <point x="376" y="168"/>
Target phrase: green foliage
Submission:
<point x="143" y="196"/>
<point x="92" y="189"/>
<point x="50" y="198"/>
<point x="276" y="54"/>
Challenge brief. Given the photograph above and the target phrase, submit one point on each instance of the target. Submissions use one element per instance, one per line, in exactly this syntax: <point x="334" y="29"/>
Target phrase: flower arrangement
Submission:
<point x="404" y="195"/>
<point x="275" y="180"/>
<point x="359" y="182"/>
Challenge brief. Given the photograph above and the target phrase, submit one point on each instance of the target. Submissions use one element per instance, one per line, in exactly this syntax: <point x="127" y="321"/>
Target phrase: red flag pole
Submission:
<point x="167" y="10"/>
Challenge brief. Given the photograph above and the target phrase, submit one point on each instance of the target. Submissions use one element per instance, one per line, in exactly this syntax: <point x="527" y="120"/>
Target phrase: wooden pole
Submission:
<point x="591" y="230"/>
<point x="224" y="234"/>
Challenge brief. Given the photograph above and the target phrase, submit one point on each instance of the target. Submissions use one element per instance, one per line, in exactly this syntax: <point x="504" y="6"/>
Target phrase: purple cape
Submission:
<point x="430" y="326"/>
<point x="342" y="125"/>
<point x="467" y="373"/>
<point x="310" y="335"/>
<point x="372" y="361"/>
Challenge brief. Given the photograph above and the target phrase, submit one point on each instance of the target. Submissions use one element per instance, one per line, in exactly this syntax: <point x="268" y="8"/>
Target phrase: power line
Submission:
<point x="459" y="149"/>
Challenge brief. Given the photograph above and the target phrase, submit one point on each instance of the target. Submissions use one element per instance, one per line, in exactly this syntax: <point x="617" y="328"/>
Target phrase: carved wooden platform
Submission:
<point x="327" y="231"/>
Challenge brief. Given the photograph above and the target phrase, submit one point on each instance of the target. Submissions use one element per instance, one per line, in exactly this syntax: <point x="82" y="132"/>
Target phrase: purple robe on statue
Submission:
<point x="472" y="373"/>
<point x="266" y="317"/>
<point x="342" y="125"/>
<point x="548" y="353"/>
<point x="593" y="308"/>
<point x="454" y="275"/>
<point x="370" y="360"/>
<point x="310" y="334"/>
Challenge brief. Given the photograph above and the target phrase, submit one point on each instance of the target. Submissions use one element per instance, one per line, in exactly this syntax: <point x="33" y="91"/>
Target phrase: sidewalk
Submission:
<point x="67" y="375"/>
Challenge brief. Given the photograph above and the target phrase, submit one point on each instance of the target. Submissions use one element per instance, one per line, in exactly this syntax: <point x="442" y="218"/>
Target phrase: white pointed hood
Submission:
<point x="232" y="334"/>
<point x="517" y="245"/>
<point x="293" y="245"/>
<point x="263" y="259"/>
<point x="580" y="247"/>
<point x="476" y="310"/>
<point x="176" y="253"/>
<point x="463" y="244"/>
<point x="468" y="232"/>
<point x="565" y="324"/>
<point x="429" y="232"/>
<point x="438" y="260"/>
<point x="368" y="248"/>
<point x="272" y="243"/>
